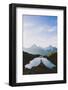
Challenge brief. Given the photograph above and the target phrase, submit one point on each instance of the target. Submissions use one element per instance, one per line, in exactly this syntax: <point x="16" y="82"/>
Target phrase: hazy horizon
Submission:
<point x="40" y="46"/>
<point x="40" y="31"/>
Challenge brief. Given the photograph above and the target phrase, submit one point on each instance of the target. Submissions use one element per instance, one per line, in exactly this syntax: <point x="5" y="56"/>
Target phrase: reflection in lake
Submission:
<point x="37" y="61"/>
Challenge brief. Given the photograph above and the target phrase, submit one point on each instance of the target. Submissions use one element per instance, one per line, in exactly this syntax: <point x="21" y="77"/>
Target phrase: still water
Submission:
<point x="37" y="61"/>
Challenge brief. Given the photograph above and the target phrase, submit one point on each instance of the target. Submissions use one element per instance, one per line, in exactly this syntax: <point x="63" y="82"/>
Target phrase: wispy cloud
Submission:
<point x="41" y="34"/>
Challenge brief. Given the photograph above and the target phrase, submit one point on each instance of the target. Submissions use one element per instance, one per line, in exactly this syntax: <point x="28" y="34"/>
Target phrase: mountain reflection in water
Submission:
<point x="37" y="61"/>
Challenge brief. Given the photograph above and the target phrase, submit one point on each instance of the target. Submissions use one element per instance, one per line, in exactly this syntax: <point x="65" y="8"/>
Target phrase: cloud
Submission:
<point x="40" y="34"/>
<point x="28" y="26"/>
<point x="30" y="39"/>
<point x="52" y="29"/>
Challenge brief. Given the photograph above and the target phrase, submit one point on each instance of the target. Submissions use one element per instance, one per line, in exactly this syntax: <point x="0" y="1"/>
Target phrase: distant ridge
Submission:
<point x="34" y="49"/>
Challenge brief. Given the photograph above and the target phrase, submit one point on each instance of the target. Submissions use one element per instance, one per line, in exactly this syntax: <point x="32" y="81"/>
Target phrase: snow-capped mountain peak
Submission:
<point x="34" y="46"/>
<point x="34" y="49"/>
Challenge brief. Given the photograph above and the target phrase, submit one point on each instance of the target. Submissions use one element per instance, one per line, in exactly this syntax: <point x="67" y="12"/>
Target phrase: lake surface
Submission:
<point x="37" y="61"/>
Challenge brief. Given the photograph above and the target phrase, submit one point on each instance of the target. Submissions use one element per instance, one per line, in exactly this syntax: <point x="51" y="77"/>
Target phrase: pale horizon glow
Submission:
<point x="39" y="30"/>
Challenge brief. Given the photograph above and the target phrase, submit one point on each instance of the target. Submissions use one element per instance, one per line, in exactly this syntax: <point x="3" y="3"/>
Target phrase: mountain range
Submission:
<point x="36" y="50"/>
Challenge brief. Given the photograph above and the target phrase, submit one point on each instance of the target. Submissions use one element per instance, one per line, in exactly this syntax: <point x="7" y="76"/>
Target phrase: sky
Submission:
<point x="39" y="30"/>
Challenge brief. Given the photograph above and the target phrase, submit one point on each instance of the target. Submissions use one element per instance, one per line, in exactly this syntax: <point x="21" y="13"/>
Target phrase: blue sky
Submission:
<point x="40" y="30"/>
